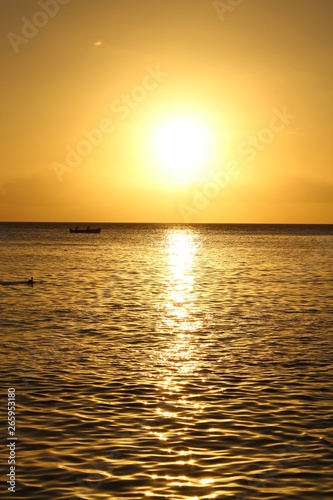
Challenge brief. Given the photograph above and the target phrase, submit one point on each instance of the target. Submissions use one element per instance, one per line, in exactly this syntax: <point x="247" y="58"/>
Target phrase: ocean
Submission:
<point x="167" y="361"/>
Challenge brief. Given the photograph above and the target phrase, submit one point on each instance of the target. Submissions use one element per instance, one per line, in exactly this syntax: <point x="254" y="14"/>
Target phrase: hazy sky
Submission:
<point x="166" y="110"/>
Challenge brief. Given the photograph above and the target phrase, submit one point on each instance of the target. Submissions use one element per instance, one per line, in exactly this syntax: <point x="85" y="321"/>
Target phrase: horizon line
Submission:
<point x="170" y="222"/>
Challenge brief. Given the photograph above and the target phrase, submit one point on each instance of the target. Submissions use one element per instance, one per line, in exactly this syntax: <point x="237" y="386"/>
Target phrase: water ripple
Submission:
<point x="195" y="364"/>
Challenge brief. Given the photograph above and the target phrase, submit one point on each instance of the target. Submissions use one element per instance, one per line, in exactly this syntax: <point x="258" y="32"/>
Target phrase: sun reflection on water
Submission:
<point x="180" y="318"/>
<point x="180" y="290"/>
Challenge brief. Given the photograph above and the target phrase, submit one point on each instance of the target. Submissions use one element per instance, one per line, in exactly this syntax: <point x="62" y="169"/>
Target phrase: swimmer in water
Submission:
<point x="31" y="281"/>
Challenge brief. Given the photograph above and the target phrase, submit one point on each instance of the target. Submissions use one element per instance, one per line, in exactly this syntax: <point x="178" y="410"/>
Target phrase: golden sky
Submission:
<point x="166" y="110"/>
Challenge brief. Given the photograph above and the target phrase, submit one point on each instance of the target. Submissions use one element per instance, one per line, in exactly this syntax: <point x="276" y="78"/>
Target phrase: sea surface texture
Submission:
<point x="168" y="361"/>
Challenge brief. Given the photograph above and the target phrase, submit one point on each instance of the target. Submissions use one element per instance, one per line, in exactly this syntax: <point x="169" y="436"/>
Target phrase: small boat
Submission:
<point x="88" y="230"/>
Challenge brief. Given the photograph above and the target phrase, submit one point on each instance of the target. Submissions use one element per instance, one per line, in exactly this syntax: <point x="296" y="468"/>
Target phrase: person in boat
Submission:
<point x="88" y="227"/>
<point x="31" y="281"/>
<point x="77" y="227"/>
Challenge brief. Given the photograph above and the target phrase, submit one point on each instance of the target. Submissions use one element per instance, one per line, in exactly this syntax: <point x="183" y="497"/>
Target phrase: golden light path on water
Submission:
<point x="181" y="319"/>
<point x="171" y="362"/>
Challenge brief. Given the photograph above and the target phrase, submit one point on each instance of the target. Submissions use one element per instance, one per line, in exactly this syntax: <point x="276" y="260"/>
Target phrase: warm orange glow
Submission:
<point x="134" y="117"/>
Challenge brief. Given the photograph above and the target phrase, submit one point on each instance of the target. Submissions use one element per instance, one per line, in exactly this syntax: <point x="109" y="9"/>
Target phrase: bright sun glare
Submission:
<point x="181" y="147"/>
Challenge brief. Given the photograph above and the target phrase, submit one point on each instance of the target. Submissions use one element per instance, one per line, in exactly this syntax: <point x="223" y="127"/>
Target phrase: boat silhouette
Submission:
<point x="87" y="230"/>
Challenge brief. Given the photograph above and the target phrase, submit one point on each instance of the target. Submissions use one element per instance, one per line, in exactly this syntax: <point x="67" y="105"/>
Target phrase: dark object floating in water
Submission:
<point x="88" y="230"/>
<point x="30" y="282"/>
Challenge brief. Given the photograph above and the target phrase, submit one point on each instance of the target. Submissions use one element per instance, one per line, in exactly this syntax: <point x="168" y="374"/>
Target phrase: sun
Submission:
<point x="181" y="147"/>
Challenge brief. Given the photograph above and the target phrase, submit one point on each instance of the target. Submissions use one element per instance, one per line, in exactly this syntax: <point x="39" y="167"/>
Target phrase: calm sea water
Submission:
<point x="171" y="362"/>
